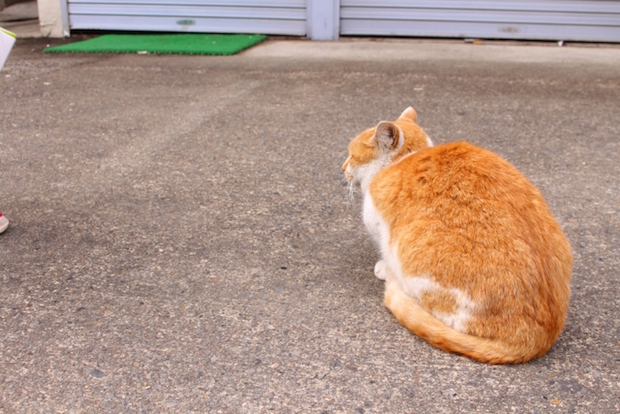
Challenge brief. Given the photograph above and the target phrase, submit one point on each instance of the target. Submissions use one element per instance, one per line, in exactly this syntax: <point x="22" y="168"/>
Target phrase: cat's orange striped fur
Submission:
<point x="474" y="260"/>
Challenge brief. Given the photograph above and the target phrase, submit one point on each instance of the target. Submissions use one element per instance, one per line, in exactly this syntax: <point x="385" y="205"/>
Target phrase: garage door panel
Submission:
<point x="486" y="16"/>
<point x="538" y="20"/>
<point x="193" y="25"/>
<point x="236" y="3"/>
<point x="193" y="11"/>
<point x="526" y="5"/>
<point x="482" y="30"/>
<point x="279" y="17"/>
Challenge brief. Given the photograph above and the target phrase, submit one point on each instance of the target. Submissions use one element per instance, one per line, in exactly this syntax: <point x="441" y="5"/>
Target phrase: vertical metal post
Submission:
<point x="323" y="19"/>
<point x="64" y="12"/>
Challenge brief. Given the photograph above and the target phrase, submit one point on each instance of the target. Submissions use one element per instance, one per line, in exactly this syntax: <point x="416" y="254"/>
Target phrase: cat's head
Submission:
<point x="378" y="147"/>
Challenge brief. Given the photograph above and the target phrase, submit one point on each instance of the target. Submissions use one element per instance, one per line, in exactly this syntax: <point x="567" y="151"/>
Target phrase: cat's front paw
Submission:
<point x="381" y="270"/>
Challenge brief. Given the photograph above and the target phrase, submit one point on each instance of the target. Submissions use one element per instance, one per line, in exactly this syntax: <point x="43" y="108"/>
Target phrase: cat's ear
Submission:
<point x="409" y="114"/>
<point x="387" y="135"/>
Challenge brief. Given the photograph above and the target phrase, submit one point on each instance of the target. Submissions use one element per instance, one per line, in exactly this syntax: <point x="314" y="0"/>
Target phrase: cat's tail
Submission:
<point x="411" y="315"/>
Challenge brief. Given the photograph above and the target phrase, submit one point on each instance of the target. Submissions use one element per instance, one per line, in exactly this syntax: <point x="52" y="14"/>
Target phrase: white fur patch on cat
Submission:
<point x="417" y="286"/>
<point x="381" y="270"/>
<point x="380" y="233"/>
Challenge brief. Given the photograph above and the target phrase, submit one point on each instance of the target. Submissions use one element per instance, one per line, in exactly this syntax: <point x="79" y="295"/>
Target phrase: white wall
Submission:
<point x="51" y="18"/>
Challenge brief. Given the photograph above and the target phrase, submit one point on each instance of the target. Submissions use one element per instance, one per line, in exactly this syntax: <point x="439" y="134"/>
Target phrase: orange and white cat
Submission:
<point x="473" y="259"/>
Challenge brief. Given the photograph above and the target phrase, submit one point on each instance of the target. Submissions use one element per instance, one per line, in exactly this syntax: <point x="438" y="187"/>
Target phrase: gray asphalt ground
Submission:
<point x="182" y="238"/>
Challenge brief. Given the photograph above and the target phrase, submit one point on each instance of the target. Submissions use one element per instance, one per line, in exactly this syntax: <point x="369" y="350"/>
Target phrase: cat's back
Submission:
<point x="457" y="169"/>
<point x="447" y="181"/>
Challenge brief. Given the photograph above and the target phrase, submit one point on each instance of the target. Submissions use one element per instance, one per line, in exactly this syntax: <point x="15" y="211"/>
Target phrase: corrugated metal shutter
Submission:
<point x="283" y="17"/>
<point x="583" y="20"/>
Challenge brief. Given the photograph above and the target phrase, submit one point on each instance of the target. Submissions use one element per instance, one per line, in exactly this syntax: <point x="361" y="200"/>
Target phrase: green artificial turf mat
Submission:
<point x="192" y="44"/>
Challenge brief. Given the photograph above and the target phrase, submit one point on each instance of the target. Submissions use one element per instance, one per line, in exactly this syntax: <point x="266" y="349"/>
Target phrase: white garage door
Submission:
<point x="585" y="20"/>
<point x="281" y="17"/>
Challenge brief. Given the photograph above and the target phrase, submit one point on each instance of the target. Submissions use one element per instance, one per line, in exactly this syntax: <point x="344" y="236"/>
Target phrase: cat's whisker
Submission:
<point x="351" y="192"/>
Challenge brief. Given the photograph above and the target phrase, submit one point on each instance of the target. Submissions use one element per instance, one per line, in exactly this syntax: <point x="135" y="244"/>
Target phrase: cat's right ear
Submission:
<point x="387" y="135"/>
<point x="409" y="114"/>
